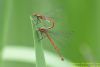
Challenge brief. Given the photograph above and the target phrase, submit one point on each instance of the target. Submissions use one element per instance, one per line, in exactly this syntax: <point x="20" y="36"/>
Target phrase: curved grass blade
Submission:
<point x="40" y="59"/>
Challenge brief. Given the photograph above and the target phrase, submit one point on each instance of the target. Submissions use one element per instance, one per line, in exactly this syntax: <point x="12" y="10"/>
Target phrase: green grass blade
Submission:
<point x="40" y="59"/>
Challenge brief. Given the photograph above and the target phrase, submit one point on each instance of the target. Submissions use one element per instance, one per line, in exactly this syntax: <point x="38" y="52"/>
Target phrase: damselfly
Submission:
<point x="45" y="25"/>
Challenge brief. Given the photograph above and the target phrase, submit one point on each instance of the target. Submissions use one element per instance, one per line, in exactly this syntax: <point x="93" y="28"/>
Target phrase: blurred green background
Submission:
<point x="80" y="16"/>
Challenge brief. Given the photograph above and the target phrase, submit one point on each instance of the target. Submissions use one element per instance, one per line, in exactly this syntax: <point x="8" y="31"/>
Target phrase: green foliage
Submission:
<point x="80" y="16"/>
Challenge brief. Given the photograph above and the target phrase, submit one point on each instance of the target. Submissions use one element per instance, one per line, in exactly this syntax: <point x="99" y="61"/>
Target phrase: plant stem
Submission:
<point x="40" y="59"/>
